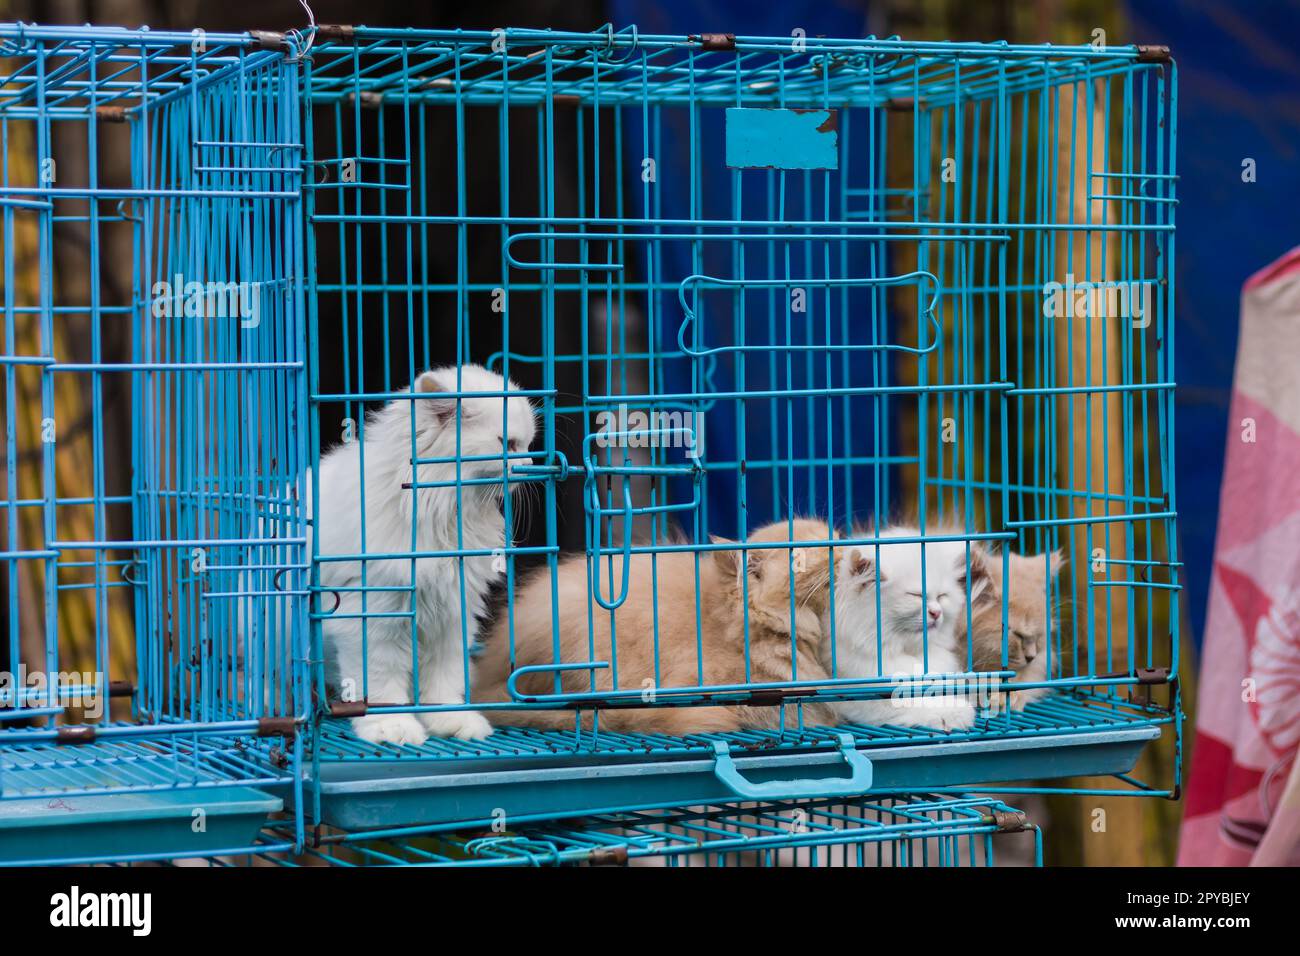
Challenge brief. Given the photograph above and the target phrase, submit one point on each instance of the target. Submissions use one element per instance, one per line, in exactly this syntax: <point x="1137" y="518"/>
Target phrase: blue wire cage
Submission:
<point x="886" y="831"/>
<point x="838" y="278"/>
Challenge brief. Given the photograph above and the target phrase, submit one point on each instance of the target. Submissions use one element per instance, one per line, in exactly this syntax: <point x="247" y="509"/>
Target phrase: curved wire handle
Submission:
<point x="613" y="604"/>
<point x="927" y="311"/>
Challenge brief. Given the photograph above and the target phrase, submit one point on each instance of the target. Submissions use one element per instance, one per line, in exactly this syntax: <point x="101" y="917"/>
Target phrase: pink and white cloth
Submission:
<point x="1243" y="793"/>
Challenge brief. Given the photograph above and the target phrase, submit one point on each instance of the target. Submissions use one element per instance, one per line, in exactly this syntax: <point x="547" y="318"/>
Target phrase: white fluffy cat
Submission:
<point x="383" y="672"/>
<point x="911" y="624"/>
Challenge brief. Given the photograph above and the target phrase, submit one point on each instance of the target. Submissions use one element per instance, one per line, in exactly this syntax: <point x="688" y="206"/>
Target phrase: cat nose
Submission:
<point x="935" y="613"/>
<point x="1030" y="653"/>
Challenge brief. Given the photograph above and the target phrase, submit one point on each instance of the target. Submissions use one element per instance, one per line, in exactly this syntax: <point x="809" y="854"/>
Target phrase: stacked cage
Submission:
<point x="740" y="281"/>
<point x="167" y="514"/>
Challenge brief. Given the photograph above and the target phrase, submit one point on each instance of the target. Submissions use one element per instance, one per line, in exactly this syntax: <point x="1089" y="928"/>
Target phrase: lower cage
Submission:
<point x="889" y="830"/>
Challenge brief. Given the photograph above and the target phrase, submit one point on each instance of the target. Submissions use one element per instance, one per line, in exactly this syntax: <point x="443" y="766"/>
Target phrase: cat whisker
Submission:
<point x="816" y="591"/>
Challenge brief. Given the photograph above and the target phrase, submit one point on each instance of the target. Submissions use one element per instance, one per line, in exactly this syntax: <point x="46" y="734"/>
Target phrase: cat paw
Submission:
<point x="465" y="724"/>
<point x="389" y="729"/>
<point x="955" y="715"/>
<point x="995" y="702"/>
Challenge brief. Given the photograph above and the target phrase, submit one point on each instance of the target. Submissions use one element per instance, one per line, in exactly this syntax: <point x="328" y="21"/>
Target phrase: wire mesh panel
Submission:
<point x="156" y="577"/>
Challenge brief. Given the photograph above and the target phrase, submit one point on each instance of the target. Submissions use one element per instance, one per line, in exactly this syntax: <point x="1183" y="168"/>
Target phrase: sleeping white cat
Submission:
<point x="917" y="631"/>
<point x="383" y="672"/>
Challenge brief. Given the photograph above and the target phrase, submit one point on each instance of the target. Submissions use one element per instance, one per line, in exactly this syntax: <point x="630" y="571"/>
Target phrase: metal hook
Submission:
<point x="324" y="168"/>
<point x="21" y="44"/>
<point x="129" y="579"/>
<point x="607" y="53"/>
<point x="121" y="211"/>
<point x="338" y="600"/>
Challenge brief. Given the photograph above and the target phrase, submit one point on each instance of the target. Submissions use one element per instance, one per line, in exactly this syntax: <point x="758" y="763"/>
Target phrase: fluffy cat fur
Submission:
<point x="718" y="656"/>
<point x="384" y="671"/>
<point x="911" y="625"/>
<point x="1031" y="622"/>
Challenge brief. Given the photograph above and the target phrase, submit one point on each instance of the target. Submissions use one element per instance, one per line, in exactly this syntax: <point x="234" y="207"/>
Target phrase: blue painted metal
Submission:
<point x="888" y="830"/>
<point x="857" y="782"/>
<point x="664" y="286"/>
<point x="782" y="139"/>
<point x="140" y="763"/>
<point x="798" y="409"/>
<point x="542" y="775"/>
<point x="189" y="823"/>
<point x="214" y="389"/>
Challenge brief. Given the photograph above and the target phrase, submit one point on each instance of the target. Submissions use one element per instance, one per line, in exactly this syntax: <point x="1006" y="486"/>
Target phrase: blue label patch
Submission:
<point x="782" y="139"/>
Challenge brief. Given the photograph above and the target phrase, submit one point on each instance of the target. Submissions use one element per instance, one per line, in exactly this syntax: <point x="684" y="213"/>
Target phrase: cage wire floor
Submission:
<point x="134" y="765"/>
<point x="1055" y="714"/>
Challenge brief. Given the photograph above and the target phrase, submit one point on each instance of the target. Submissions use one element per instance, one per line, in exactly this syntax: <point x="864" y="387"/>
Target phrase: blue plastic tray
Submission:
<point x="83" y="828"/>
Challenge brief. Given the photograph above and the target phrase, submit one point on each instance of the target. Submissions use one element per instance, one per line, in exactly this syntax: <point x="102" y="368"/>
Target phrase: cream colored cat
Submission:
<point x="715" y="655"/>
<point x="1031" y="622"/>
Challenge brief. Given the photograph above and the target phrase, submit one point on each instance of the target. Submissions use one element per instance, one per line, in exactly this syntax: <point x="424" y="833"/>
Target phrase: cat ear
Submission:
<point x="1056" y="561"/>
<point x="728" y="561"/>
<point x="734" y="563"/>
<point x="859" y="565"/>
<point x="980" y="576"/>
<point x="442" y="407"/>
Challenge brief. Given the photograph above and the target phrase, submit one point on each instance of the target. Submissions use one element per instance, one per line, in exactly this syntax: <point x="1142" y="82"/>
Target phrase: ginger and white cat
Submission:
<point x="373" y="658"/>
<point x="890" y="623"/>
<point x="1031" y="623"/>
<point x="662" y="596"/>
<point x="918" y="632"/>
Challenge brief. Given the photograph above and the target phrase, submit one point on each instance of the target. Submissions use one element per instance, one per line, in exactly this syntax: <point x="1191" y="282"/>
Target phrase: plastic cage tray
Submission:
<point x="889" y="830"/>
<point x="541" y="774"/>
<point x="89" y="828"/>
<point x="188" y="795"/>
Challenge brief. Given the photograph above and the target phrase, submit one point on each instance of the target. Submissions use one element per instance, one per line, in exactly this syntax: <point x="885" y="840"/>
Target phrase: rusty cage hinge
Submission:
<point x="1010" y="821"/>
<point x="717" y="42"/>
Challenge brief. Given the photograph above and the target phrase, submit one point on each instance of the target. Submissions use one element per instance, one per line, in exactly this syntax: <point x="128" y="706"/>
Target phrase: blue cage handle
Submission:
<point x="858" y="781"/>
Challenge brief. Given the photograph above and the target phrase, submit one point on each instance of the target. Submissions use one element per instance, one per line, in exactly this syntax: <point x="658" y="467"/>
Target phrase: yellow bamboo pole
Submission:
<point x="83" y="613"/>
<point x="1112" y="831"/>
